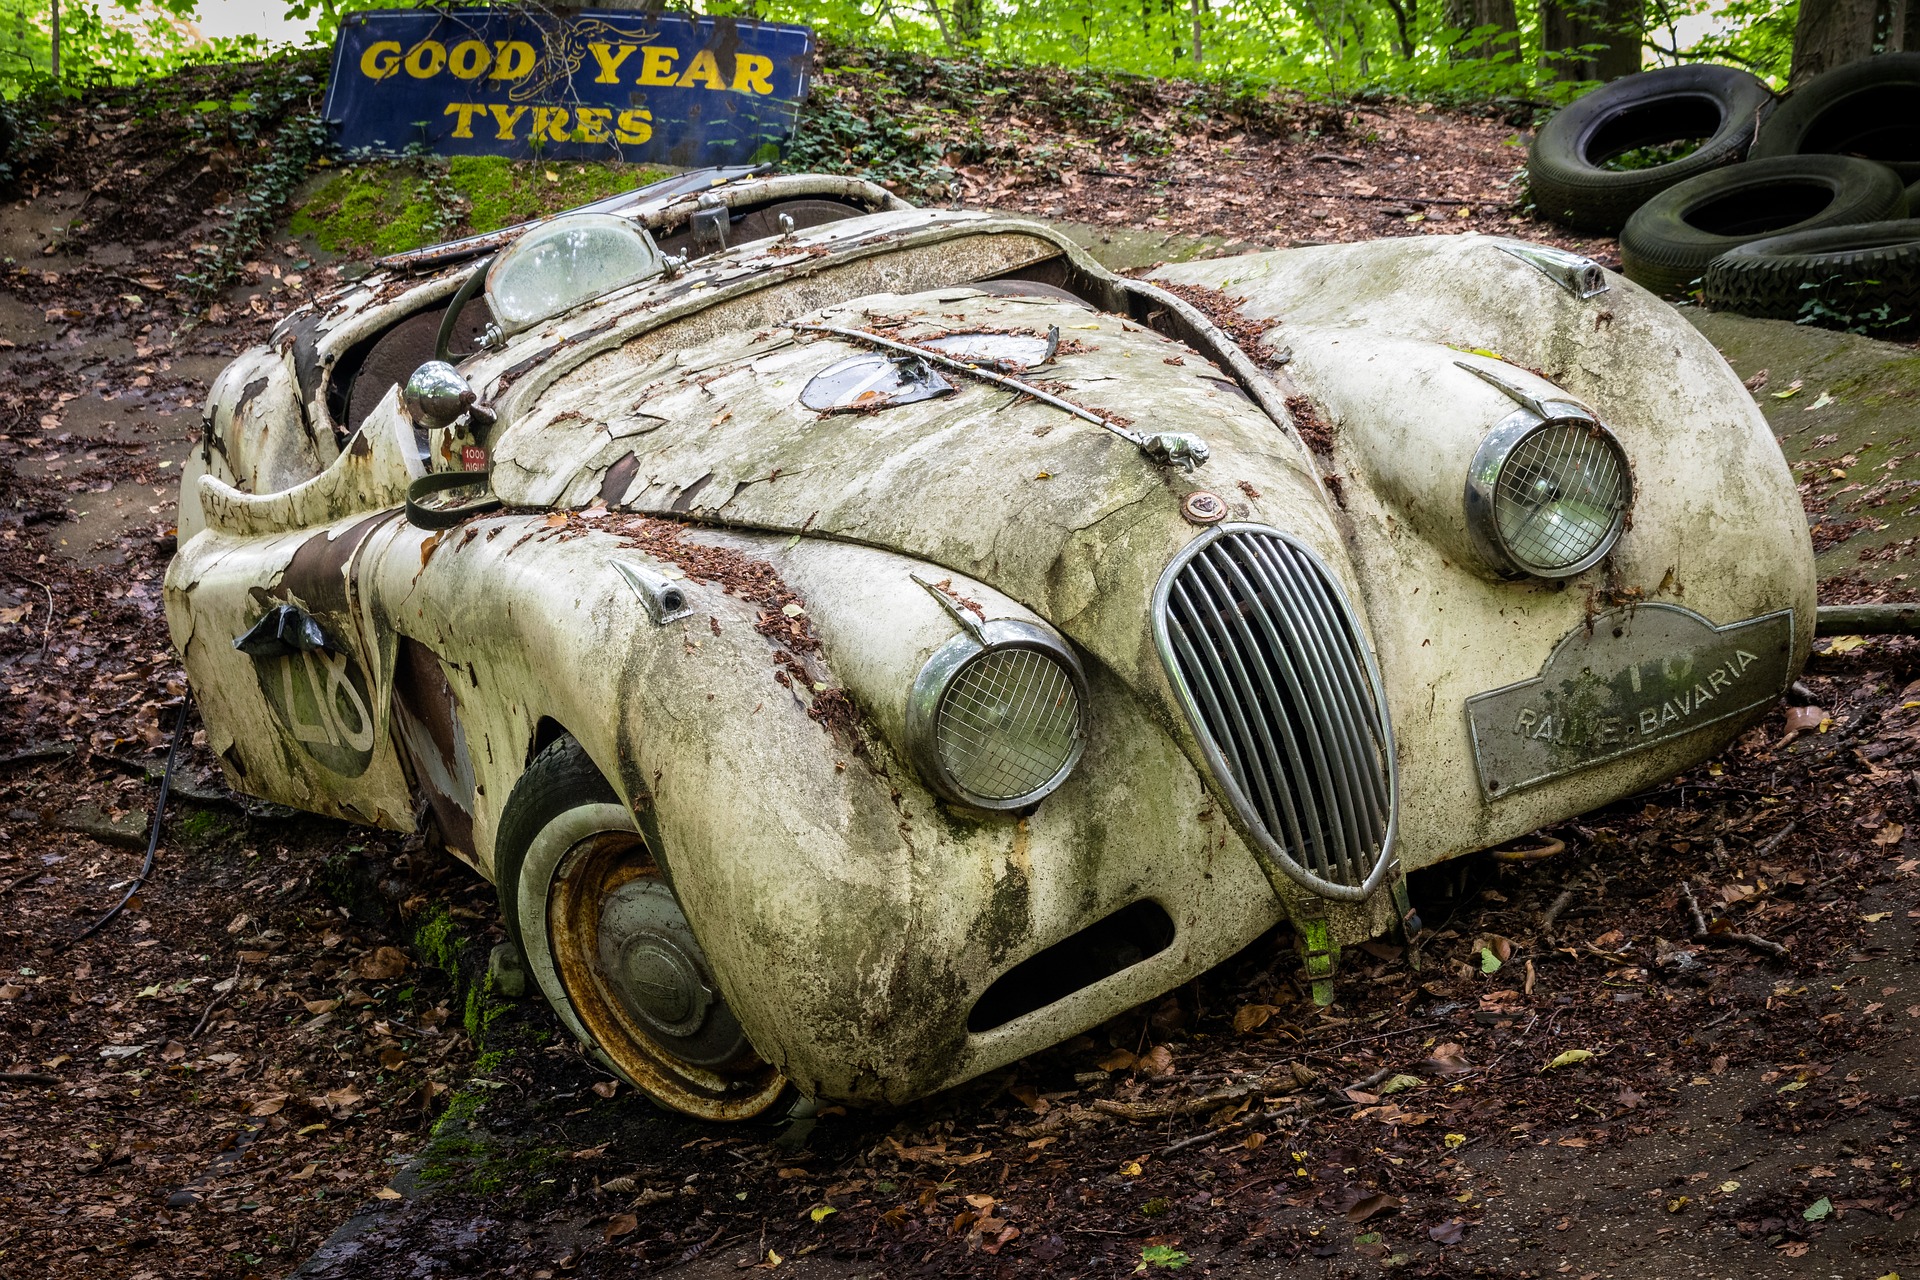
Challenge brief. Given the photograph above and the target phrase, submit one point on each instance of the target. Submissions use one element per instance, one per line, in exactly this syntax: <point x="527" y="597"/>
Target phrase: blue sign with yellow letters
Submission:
<point x="578" y="85"/>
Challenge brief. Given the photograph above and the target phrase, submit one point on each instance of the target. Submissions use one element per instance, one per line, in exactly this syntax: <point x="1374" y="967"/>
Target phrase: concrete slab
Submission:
<point x="1846" y="410"/>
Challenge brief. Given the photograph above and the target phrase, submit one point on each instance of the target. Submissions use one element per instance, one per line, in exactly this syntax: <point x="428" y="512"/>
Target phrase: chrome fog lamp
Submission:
<point x="995" y="717"/>
<point x="1548" y="497"/>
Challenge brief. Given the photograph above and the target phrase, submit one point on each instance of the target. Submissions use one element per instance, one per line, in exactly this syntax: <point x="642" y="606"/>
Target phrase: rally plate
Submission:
<point x="1630" y="679"/>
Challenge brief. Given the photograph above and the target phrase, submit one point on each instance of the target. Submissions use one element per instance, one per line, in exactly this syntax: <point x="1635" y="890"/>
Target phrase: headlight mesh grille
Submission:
<point x="1275" y="677"/>
<point x="1560" y="495"/>
<point x="1008" y="724"/>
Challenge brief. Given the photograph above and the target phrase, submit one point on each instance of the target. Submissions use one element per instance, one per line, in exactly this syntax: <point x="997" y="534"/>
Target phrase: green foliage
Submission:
<point x="1163" y="1256"/>
<point x="115" y="43"/>
<point x="1837" y="303"/>
<point x="279" y="127"/>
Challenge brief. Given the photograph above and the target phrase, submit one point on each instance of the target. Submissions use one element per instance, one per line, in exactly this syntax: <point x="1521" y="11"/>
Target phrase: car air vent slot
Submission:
<point x="1102" y="949"/>
<point x="1280" y="686"/>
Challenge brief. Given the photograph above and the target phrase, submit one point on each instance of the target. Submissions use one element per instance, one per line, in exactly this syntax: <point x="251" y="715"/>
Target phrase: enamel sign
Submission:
<point x="578" y="85"/>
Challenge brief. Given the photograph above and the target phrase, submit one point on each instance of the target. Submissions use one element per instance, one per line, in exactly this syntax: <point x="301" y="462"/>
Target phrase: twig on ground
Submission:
<point x="1775" y="840"/>
<point x="1552" y="913"/>
<point x="1702" y="934"/>
<point x="1490" y="202"/>
<point x="11" y="885"/>
<point x="218" y="998"/>
<point x="28" y="1077"/>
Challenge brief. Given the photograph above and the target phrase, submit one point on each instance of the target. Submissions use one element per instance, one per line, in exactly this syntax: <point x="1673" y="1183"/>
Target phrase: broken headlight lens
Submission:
<point x="1548" y="498"/>
<point x="561" y="264"/>
<point x="995" y="718"/>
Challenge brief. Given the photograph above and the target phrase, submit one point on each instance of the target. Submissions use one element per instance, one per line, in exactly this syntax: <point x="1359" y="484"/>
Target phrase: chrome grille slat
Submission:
<point x="1322" y="617"/>
<point x="1336" y="761"/>
<point x="1320" y="780"/>
<point x="1236" y="726"/>
<point x="1203" y="685"/>
<point x="1276" y="677"/>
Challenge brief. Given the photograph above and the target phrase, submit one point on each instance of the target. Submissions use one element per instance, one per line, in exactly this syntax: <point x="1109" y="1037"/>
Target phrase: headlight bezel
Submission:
<point x="1483" y="477"/>
<point x="937" y="678"/>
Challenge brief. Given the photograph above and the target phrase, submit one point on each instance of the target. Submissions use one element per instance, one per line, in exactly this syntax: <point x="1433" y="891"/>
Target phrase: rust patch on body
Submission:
<point x="619" y="479"/>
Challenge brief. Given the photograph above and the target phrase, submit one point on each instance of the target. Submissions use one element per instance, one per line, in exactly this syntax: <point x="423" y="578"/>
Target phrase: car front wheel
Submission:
<point x="586" y="899"/>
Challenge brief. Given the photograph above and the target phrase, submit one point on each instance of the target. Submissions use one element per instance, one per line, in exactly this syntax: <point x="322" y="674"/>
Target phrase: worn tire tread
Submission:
<point x="1776" y="277"/>
<point x="561" y="777"/>
<point x="1662" y="251"/>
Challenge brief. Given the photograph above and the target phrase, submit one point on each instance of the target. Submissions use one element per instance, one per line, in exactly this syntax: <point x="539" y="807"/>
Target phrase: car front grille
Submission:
<point x="1280" y="686"/>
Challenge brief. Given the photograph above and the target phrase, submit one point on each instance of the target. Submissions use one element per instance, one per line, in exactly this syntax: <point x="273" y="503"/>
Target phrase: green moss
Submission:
<point x="393" y="206"/>
<point x="201" y="826"/>
<point x="439" y="942"/>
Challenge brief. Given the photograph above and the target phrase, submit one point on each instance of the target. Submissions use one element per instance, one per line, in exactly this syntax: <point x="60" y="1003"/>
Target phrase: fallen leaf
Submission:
<point x="1889" y="834"/>
<point x="1793" y="389"/>
<point x="1846" y="644"/>
<point x="606" y="1088"/>
<point x="382" y="964"/>
<point x="1157" y="1062"/>
<point x="1400" y="1083"/>
<point x="1804" y="719"/>
<point x="1251" y="1017"/>
<point x="1453" y="1231"/>
<point x="387" y="1193"/>
<point x="619" y="1225"/>
<point x="341" y="1102"/>
<point x="820" y="1213"/>
<point x="1365" y="1207"/>
<point x="1571" y="1057"/>
<point x="1454" y="1140"/>
<point x="1818" y="1209"/>
<point x="268" y="1106"/>
<point x="1118" y="1060"/>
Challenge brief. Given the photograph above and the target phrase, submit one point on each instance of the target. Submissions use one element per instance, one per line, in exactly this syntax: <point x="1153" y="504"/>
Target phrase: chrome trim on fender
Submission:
<point x="1283" y="692"/>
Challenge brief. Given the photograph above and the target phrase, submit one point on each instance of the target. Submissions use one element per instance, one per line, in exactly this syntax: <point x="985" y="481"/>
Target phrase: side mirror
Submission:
<point x="436" y="395"/>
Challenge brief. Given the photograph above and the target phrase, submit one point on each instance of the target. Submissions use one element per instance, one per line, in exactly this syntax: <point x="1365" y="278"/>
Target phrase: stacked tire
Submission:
<point x="1795" y="208"/>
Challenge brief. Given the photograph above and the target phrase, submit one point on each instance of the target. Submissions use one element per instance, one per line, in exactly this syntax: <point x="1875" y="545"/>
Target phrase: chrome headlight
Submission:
<point x="994" y="720"/>
<point x="1548" y="497"/>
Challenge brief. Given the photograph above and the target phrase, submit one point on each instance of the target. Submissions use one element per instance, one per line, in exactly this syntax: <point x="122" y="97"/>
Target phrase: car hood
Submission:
<point x="1065" y="516"/>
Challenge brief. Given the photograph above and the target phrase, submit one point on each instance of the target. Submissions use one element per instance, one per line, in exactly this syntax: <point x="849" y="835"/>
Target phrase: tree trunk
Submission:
<point x="1616" y="25"/>
<point x="56" y="43"/>
<point x="1405" y="14"/>
<point x="1199" y="54"/>
<point x="968" y="25"/>
<point x="1829" y="34"/>
<point x="1470" y="15"/>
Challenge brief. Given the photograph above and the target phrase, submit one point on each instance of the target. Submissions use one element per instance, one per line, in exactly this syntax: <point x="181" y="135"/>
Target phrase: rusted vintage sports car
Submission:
<point x="867" y="644"/>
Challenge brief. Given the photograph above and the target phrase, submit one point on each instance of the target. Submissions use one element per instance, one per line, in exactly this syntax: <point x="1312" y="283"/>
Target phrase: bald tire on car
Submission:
<point x="584" y="896"/>
<point x="1567" y="173"/>
<point x="1868" y="273"/>
<point x="1667" y="245"/>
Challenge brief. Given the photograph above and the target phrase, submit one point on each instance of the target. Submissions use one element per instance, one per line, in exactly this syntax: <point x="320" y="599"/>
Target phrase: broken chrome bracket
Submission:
<point x="664" y="599"/>
<point x="282" y="630"/>
<point x="1181" y="447"/>
<point x="1581" y="277"/>
<point x="709" y="223"/>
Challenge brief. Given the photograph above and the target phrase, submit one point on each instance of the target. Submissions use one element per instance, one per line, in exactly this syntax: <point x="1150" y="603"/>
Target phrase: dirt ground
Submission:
<point x="286" y="1029"/>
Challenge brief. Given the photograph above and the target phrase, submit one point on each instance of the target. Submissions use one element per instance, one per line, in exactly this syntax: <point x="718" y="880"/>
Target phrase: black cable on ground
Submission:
<point x="153" y="839"/>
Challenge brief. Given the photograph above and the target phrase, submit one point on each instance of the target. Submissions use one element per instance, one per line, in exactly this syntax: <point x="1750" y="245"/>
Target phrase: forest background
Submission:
<point x="1445" y="51"/>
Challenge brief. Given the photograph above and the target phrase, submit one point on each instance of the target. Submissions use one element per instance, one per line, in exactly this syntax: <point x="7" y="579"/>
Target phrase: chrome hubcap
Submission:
<point x="655" y="969"/>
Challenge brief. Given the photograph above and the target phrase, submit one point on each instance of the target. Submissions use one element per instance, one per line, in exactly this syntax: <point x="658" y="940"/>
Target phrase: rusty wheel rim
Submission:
<point x="603" y="869"/>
